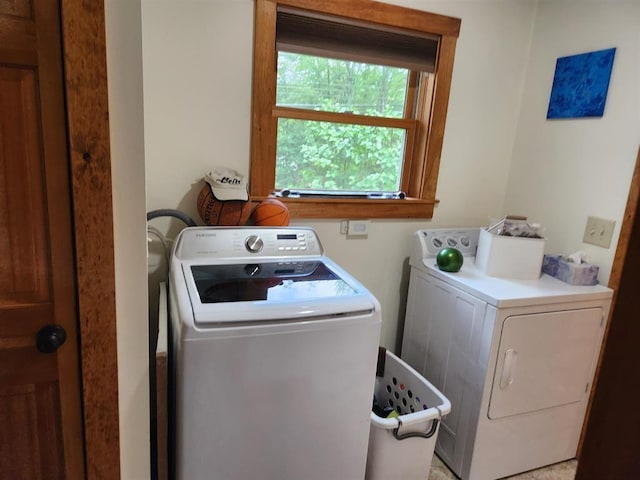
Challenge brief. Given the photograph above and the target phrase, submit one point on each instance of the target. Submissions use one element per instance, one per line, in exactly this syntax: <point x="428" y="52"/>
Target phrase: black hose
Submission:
<point x="169" y="212"/>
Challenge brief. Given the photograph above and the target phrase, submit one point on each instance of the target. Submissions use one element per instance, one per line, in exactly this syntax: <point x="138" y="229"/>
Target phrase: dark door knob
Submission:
<point x="50" y="338"/>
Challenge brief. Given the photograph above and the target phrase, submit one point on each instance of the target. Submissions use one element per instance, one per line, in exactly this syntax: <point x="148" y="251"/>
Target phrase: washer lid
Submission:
<point x="274" y="282"/>
<point x="258" y="292"/>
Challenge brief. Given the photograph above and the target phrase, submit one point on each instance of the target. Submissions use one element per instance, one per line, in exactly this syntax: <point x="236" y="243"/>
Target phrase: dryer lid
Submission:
<point x="506" y="292"/>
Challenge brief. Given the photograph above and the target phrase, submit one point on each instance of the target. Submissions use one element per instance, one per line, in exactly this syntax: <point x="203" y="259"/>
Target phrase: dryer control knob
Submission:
<point x="253" y="243"/>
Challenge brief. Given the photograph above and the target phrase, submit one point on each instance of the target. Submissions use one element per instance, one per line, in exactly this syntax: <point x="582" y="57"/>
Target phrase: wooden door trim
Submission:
<point x="630" y="212"/>
<point x="84" y="46"/>
<point x="617" y="356"/>
<point x="626" y="229"/>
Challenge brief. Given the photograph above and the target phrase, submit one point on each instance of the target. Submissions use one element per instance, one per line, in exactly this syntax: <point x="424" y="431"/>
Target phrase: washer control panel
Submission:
<point x="294" y="242"/>
<point x="246" y="242"/>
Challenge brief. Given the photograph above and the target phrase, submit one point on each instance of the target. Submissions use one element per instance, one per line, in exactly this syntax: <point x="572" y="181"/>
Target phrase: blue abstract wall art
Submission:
<point x="580" y="85"/>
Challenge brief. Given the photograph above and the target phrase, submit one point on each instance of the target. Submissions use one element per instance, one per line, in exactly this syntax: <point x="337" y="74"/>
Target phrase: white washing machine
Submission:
<point x="515" y="358"/>
<point x="274" y="352"/>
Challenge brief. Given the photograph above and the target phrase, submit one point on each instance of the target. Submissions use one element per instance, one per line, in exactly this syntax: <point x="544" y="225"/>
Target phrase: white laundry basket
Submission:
<point x="402" y="447"/>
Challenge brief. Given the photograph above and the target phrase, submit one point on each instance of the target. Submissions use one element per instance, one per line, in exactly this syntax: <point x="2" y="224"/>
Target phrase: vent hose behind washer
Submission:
<point x="168" y="212"/>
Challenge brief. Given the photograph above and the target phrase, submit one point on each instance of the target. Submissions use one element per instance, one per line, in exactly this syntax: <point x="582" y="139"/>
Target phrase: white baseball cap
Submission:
<point x="227" y="184"/>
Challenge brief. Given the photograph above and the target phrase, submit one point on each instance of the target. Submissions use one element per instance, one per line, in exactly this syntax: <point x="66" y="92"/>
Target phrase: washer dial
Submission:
<point x="253" y="244"/>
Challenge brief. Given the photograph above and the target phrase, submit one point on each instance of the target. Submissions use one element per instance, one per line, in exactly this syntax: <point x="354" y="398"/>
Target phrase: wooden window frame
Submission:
<point x="420" y="172"/>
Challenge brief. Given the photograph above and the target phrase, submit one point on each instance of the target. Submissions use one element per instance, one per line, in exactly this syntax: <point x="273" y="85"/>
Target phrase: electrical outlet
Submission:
<point x="344" y="227"/>
<point x="358" y="228"/>
<point x="599" y="231"/>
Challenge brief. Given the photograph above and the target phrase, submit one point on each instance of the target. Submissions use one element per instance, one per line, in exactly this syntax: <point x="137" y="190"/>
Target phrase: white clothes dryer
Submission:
<point x="516" y="358"/>
<point x="274" y="351"/>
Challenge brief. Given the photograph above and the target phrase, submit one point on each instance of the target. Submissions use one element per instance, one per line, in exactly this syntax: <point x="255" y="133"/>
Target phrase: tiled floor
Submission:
<point x="559" y="471"/>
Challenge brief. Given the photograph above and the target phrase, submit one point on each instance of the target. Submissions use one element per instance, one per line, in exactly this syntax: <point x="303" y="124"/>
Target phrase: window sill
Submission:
<point x="356" y="208"/>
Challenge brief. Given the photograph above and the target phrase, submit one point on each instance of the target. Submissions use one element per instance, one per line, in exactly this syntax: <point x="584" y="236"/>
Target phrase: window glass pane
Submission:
<point x="333" y="156"/>
<point x="325" y="84"/>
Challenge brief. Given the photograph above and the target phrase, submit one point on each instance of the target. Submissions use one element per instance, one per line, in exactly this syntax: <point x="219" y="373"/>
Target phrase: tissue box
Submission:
<point x="570" y="272"/>
<point x="509" y="257"/>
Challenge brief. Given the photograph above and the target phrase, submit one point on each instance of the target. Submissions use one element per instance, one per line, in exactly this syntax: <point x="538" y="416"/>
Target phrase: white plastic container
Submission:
<point x="402" y="447"/>
<point x="510" y="257"/>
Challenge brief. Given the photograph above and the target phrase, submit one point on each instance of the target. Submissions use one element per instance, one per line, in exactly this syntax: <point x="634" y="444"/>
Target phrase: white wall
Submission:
<point x="126" y="119"/>
<point x="197" y="91"/>
<point x="565" y="170"/>
<point x="198" y="63"/>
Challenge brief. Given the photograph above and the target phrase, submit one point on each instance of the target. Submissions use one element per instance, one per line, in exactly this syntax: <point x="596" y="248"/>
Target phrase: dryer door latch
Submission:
<point x="508" y="368"/>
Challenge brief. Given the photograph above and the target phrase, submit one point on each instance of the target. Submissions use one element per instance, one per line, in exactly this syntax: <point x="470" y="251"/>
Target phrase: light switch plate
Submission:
<point x="599" y="231"/>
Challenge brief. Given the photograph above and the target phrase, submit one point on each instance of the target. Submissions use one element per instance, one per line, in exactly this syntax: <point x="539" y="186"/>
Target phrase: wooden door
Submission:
<point x="40" y="401"/>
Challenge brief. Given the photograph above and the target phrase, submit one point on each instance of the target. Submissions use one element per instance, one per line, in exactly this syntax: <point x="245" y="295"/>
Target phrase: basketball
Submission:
<point x="216" y="212"/>
<point x="271" y="213"/>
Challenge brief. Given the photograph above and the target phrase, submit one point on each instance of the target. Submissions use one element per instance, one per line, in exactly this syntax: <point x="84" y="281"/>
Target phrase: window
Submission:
<point x="349" y="107"/>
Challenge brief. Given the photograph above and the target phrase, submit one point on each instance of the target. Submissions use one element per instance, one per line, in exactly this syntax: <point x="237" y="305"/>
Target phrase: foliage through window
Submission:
<point x="326" y="155"/>
<point x="344" y="104"/>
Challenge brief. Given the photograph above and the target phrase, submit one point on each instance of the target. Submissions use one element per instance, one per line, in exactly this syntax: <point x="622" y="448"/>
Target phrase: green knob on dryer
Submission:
<point x="449" y="259"/>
